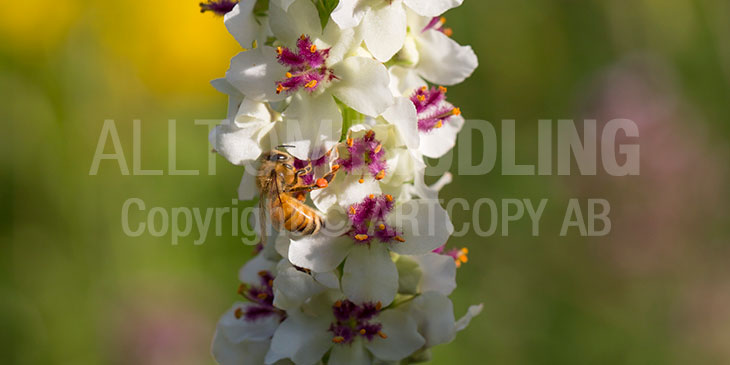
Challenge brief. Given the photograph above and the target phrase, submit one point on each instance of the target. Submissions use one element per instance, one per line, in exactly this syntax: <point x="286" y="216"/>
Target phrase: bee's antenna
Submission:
<point x="285" y="146"/>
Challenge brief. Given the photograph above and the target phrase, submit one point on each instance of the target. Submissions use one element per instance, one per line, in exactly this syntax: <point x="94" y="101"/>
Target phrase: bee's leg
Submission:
<point x="321" y="183"/>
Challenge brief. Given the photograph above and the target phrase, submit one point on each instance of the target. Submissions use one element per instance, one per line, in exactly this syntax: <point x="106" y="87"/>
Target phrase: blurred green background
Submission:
<point x="75" y="290"/>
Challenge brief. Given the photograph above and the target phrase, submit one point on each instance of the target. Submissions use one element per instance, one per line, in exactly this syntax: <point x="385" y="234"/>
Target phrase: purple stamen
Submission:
<point x="432" y="108"/>
<point x="352" y="320"/>
<point x="307" y="68"/>
<point x="366" y="152"/>
<point x="261" y="297"/>
<point x="218" y="7"/>
<point x="368" y="220"/>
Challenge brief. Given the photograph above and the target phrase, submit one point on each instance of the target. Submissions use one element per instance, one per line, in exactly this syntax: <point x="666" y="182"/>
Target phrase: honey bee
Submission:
<point x="281" y="188"/>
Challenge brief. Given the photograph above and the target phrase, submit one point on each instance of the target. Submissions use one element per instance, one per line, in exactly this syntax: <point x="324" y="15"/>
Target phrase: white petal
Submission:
<point x="432" y="7"/>
<point x="242" y="24"/>
<point x="363" y="85"/>
<point x="439" y="141"/>
<point x="328" y="279"/>
<point x="403" y="81"/>
<point x="442" y="60"/>
<point x="311" y="124"/>
<point x="351" y="354"/>
<point x="341" y="42"/>
<point x="255" y="73"/>
<point x="384" y="29"/>
<point x="226" y="352"/>
<point x="434" y="313"/>
<point x="281" y="245"/>
<point x="300" y="338"/>
<point x="301" y="17"/>
<point x="403" y="337"/>
<point x="425" y="226"/>
<point x="319" y="252"/>
<point x="235" y="144"/>
<point x="225" y="87"/>
<point x="247" y="188"/>
<point x="249" y="273"/>
<point x="293" y="287"/>
<point x="349" y="13"/>
<point x="439" y="273"/>
<point x="403" y="115"/>
<point x="370" y="275"/>
<point x="430" y="192"/>
<point x="284" y="4"/>
<point x="351" y="191"/>
<point x="472" y="312"/>
<point x="237" y="330"/>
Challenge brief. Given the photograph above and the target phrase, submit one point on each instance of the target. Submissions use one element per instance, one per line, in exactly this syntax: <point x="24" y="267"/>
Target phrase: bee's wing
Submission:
<point x="269" y="190"/>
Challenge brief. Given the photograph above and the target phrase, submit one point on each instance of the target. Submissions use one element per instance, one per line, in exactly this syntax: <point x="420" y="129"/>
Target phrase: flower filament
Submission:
<point x="262" y="298"/>
<point x="432" y="108"/>
<point x="365" y="152"/>
<point x="307" y="66"/>
<point x="368" y="220"/>
<point x="352" y="320"/>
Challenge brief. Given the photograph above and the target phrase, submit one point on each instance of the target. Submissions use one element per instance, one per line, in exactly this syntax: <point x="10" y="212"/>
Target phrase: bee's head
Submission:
<point x="277" y="155"/>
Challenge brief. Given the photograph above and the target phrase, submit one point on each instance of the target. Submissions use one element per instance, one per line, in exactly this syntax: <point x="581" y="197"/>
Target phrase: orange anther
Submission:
<point x="338" y="304"/>
<point x="424" y="88"/>
<point x="439" y="124"/>
<point x="288" y="75"/>
<point x="241" y="289"/>
<point x="322" y="183"/>
<point x="448" y="32"/>
<point x="442" y="89"/>
<point x="378" y="305"/>
<point x="399" y="239"/>
<point x="361" y="237"/>
<point x="380" y="175"/>
<point x="262" y="296"/>
<point x="369" y="133"/>
<point x="279" y="50"/>
<point x="382" y="335"/>
<point x="338" y="339"/>
<point x="371" y="196"/>
<point x="352" y="210"/>
<point x="378" y="148"/>
<point x="312" y="48"/>
<point x="456" y="111"/>
<point x="361" y="180"/>
<point x="362" y="331"/>
<point x="335" y="168"/>
<point x="238" y="313"/>
<point x="349" y="142"/>
<point x="381" y="227"/>
<point x="421" y="98"/>
<point x="389" y="197"/>
<point x="311" y="84"/>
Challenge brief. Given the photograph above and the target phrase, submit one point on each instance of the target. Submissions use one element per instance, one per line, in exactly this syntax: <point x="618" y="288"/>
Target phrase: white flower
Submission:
<point x="356" y="333"/>
<point x="373" y="228"/>
<point x="433" y="55"/>
<point x="379" y="156"/>
<point x="322" y="64"/>
<point x="439" y="122"/>
<point x="245" y="330"/>
<point x="384" y="21"/>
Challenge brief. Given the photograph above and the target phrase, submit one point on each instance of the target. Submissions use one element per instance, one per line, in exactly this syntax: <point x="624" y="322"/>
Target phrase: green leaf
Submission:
<point x="325" y="8"/>
<point x="350" y="117"/>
